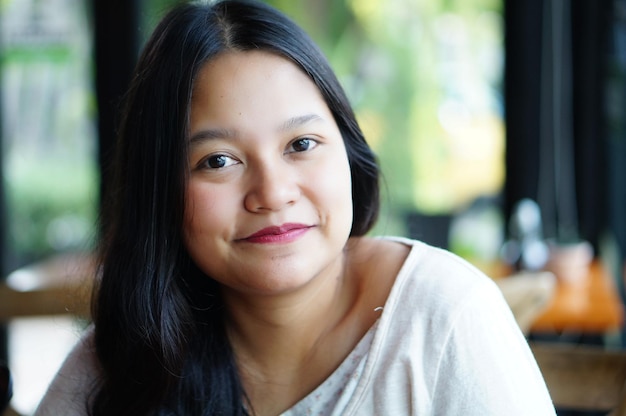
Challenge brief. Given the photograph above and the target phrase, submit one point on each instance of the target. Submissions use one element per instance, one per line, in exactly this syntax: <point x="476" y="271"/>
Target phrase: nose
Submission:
<point x="272" y="187"/>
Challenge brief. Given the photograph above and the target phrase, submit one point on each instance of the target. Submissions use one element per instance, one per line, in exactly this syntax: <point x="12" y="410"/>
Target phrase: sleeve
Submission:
<point x="69" y="391"/>
<point x="486" y="367"/>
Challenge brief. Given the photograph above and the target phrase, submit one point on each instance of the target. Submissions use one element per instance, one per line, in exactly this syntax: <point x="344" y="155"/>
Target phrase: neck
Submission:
<point x="283" y="344"/>
<point x="287" y="325"/>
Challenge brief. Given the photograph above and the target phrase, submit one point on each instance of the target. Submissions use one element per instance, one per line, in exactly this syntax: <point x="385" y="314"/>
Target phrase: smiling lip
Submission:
<point x="283" y="234"/>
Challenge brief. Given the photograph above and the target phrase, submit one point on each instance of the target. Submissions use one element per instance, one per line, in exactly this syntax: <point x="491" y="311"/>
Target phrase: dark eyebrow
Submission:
<point x="219" y="133"/>
<point x="209" y="134"/>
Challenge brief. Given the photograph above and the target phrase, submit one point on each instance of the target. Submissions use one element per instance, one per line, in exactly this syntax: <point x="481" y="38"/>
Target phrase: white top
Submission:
<point x="445" y="344"/>
<point x="339" y="386"/>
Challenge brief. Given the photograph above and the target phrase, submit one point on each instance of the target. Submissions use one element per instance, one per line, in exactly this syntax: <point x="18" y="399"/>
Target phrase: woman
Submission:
<point x="235" y="276"/>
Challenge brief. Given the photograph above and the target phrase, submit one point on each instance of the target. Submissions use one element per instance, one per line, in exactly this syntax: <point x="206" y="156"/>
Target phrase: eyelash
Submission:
<point x="205" y="163"/>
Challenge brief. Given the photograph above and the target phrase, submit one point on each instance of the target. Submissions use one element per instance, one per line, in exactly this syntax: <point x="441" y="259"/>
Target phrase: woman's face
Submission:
<point x="268" y="205"/>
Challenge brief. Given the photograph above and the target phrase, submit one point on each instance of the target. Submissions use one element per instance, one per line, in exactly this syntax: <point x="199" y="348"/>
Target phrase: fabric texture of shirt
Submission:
<point x="446" y="344"/>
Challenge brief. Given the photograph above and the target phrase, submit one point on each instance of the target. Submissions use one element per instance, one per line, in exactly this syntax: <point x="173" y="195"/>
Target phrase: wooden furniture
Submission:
<point x="583" y="378"/>
<point x="527" y="294"/>
<point x="590" y="306"/>
<point x="58" y="285"/>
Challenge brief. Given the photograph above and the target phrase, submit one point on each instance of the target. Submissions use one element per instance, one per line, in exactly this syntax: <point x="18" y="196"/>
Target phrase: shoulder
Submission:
<point x="437" y="278"/>
<point x="418" y="278"/>
<point x="437" y="296"/>
<point x="69" y="391"/>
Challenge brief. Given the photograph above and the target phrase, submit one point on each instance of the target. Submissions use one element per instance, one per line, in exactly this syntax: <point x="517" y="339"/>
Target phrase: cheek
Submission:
<point x="336" y="189"/>
<point x="202" y="213"/>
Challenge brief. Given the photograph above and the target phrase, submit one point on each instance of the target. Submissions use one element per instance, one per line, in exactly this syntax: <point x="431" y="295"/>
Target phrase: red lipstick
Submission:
<point x="285" y="233"/>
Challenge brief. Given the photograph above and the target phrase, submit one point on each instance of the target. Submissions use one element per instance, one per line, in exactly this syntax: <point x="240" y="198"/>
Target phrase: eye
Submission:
<point x="302" y="145"/>
<point x="218" y="161"/>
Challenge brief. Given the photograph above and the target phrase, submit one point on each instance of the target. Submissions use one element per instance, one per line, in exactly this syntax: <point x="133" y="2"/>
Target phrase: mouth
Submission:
<point x="278" y="234"/>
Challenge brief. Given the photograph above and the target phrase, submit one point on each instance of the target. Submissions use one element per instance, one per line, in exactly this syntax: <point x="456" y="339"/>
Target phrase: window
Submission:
<point x="49" y="165"/>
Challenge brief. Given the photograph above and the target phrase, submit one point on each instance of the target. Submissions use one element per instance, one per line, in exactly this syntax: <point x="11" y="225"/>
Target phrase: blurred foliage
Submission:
<point x="50" y="212"/>
<point x="49" y="168"/>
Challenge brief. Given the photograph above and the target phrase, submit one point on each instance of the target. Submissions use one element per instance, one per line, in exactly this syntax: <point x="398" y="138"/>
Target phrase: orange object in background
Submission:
<point x="591" y="305"/>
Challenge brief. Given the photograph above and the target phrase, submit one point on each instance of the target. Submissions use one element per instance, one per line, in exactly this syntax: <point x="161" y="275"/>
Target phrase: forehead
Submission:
<point x="242" y="79"/>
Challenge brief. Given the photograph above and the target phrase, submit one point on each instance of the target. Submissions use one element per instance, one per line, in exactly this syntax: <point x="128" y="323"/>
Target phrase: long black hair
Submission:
<point x="159" y="330"/>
